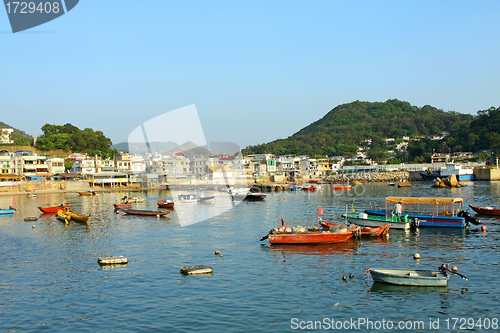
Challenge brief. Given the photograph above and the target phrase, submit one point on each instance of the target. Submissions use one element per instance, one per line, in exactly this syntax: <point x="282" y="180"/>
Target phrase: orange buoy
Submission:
<point x="216" y="252"/>
<point x="483" y="228"/>
<point x="454" y="269"/>
<point x="416" y="256"/>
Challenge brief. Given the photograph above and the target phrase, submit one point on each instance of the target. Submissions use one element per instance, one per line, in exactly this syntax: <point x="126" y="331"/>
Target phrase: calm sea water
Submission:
<point x="50" y="279"/>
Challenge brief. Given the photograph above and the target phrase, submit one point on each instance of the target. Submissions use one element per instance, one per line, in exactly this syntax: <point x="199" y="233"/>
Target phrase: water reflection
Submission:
<point x="337" y="249"/>
<point x="389" y="289"/>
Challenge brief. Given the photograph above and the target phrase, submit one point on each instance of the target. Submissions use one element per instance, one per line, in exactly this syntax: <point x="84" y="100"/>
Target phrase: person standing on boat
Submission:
<point x="398" y="209"/>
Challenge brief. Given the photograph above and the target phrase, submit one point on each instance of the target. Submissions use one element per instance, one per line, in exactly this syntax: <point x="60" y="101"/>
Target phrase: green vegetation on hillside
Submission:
<point x="20" y="138"/>
<point x="71" y="138"/>
<point x="342" y="130"/>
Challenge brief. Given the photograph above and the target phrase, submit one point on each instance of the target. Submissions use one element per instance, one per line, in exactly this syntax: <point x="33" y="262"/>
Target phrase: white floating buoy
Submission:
<point x="416" y="256"/>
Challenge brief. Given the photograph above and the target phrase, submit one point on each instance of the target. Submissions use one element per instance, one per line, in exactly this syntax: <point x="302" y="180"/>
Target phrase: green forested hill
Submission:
<point x="342" y="130"/>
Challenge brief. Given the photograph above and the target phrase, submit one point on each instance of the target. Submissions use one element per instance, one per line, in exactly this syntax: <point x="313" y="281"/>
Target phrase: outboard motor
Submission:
<point x="469" y="218"/>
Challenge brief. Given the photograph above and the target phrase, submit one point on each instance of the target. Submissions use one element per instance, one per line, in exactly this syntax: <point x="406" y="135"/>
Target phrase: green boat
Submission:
<point x="365" y="220"/>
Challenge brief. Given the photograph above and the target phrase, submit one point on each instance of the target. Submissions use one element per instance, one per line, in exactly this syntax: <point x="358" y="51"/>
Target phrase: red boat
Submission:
<point x="341" y="187"/>
<point x="316" y="235"/>
<point x="123" y="205"/>
<point x="312" y="237"/>
<point x="52" y="209"/>
<point x="487" y="210"/>
<point x="309" y="188"/>
<point x="165" y="204"/>
<point x="364" y="231"/>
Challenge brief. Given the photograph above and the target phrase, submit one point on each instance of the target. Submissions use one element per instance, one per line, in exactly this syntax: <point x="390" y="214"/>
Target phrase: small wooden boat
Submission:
<point x="187" y="198"/>
<point x="206" y="199"/>
<point x="409" y="277"/>
<point x="69" y="215"/>
<point x="32" y="195"/>
<point x="248" y="197"/>
<point x="301" y="235"/>
<point x="123" y="205"/>
<point x="364" y="231"/>
<point x="136" y="199"/>
<point x="7" y="211"/>
<point x="87" y="193"/>
<point x="53" y="209"/>
<point x="165" y="204"/>
<point x="371" y="221"/>
<point x="487" y="210"/>
<point x="146" y="212"/>
<point x="309" y="188"/>
<point x="341" y="187"/>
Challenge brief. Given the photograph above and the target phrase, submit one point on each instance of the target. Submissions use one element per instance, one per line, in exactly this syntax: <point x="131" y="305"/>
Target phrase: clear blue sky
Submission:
<point x="256" y="70"/>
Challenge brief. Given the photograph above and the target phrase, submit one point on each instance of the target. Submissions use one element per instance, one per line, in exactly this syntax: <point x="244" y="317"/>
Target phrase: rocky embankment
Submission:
<point x="369" y="177"/>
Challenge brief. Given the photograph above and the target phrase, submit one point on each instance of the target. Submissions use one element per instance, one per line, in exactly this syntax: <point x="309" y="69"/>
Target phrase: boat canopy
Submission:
<point x="431" y="206"/>
<point x="424" y="201"/>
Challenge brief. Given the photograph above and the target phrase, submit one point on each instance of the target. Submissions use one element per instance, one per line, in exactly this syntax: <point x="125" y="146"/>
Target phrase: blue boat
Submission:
<point x="430" y="212"/>
<point x="430" y="175"/>
<point x="7" y="211"/>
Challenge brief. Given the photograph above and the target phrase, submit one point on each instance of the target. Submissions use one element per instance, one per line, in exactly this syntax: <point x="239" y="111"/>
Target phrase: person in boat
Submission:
<point x="398" y="209"/>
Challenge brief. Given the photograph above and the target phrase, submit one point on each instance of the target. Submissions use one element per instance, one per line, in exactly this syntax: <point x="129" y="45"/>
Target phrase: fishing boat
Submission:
<point x="7" y="211"/>
<point x="487" y="210"/>
<point x="136" y="199"/>
<point x="462" y="174"/>
<point x="146" y="212"/>
<point x="187" y="198"/>
<point x="430" y="212"/>
<point x="364" y="231"/>
<point x="31" y="195"/>
<point x="87" y="193"/>
<point x="309" y="188"/>
<point x="430" y="175"/>
<point x="69" y="215"/>
<point x="123" y="205"/>
<point x="165" y="203"/>
<point x="248" y="196"/>
<point x="313" y="235"/>
<point x="53" y="209"/>
<point x="206" y="199"/>
<point x="410" y="277"/>
<point x="341" y="187"/>
<point x="376" y="221"/>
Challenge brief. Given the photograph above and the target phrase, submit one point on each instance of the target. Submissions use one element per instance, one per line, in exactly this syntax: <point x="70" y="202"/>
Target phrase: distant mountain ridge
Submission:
<point x="342" y="130"/>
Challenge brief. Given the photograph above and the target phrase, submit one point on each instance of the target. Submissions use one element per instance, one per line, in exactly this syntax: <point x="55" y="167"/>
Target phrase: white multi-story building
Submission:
<point x="55" y="165"/>
<point x="29" y="164"/>
<point x="6" y="163"/>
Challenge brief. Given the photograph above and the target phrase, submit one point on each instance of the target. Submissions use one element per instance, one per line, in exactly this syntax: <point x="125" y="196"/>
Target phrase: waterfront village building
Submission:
<point x="5" y="135"/>
<point x="131" y="163"/>
<point x="289" y="166"/>
<point x="6" y="164"/>
<point x="29" y="165"/>
<point x="88" y="165"/>
<point x="176" y="166"/>
<point x="55" y="165"/>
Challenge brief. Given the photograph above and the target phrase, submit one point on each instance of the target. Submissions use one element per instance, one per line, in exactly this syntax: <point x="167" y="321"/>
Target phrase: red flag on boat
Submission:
<point x="320" y="211"/>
